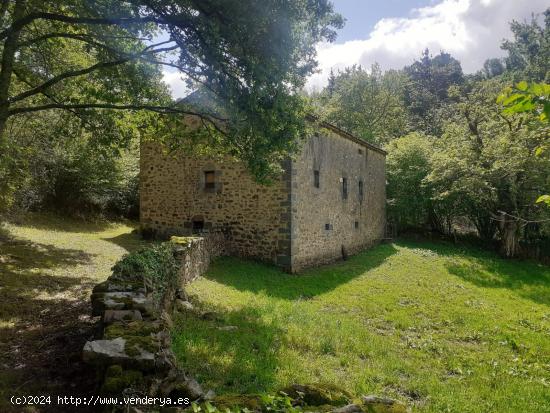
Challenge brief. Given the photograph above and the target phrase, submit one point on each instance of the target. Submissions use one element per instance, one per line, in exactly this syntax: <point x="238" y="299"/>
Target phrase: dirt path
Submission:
<point x="48" y="266"/>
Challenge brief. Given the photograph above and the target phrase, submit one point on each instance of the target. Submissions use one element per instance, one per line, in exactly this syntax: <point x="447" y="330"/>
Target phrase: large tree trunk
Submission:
<point x="8" y="57"/>
<point x="509" y="229"/>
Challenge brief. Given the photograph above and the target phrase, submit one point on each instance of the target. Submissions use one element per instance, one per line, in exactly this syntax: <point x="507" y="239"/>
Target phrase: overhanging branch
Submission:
<point x="120" y="21"/>
<point x="152" y="108"/>
<point x="101" y="65"/>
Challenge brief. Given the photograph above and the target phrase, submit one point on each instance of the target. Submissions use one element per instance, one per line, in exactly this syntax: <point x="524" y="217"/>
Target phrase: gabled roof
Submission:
<point x="345" y="134"/>
<point x="205" y="101"/>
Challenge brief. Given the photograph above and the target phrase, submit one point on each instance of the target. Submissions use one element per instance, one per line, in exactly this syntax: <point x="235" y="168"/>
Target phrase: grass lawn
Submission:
<point x="442" y="328"/>
<point x="48" y="266"/>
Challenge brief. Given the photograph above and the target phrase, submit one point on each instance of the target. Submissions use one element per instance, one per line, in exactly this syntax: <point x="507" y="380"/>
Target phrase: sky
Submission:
<point x="394" y="32"/>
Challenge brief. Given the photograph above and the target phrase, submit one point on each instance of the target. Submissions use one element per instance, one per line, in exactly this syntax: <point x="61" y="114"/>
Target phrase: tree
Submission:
<point x="529" y="50"/>
<point x="485" y="165"/>
<point x="533" y="98"/>
<point x="409" y="198"/>
<point x="366" y="103"/>
<point x="253" y="56"/>
<point x="426" y="92"/>
<point x="493" y="67"/>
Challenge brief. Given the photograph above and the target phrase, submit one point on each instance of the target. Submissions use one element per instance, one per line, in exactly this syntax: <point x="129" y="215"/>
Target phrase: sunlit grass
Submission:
<point x="442" y="328"/>
<point x="48" y="266"/>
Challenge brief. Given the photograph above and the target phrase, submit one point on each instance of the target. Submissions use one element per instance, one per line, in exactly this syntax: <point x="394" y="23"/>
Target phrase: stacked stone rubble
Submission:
<point x="132" y="350"/>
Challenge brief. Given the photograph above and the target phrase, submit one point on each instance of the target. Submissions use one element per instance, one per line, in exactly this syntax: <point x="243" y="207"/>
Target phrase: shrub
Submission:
<point x="156" y="266"/>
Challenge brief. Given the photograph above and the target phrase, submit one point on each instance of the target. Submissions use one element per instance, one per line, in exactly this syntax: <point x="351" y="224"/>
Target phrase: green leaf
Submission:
<point x="523" y="86"/>
<point x="512" y="98"/>
<point x="544" y="198"/>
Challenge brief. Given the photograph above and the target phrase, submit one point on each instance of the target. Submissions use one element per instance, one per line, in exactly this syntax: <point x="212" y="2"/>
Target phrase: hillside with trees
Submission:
<point x="459" y="160"/>
<point x="466" y="152"/>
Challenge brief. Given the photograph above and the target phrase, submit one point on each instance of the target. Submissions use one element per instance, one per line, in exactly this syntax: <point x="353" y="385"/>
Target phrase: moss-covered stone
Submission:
<point x="140" y="336"/>
<point x="375" y="404"/>
<point x="117" y="379"/>
<point x="132" y="328"/>
<point x="318" y="395"/>
<point x="113" y="284"/>
<point x="184" y="241"/>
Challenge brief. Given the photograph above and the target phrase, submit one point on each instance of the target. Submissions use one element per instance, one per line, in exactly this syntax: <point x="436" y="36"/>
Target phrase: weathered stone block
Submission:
<point x="110" y="316"/>
<point x="376" y="404"/>
<point x="121" y="300"/>
<point x="108" y="352"/>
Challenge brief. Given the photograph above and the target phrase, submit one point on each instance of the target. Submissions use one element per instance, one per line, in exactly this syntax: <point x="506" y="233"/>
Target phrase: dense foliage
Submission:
<point x="91" y="58"/>
<point x="466" y="153"/>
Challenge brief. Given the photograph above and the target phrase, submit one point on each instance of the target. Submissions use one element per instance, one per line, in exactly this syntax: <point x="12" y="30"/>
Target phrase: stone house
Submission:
<point x="328" y="203"/>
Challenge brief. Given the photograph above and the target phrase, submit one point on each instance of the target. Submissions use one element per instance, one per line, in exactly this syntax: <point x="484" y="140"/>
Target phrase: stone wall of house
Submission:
<point x="175" y="200"/>
<point x="325" y="226"/>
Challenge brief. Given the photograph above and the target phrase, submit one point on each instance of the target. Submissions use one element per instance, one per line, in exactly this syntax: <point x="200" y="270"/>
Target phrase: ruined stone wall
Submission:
<point x="323" y="223"/>
<point x="174" y="197"/>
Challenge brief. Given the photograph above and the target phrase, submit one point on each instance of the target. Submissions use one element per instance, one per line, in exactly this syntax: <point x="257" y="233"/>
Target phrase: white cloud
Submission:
<point x="471" y="30"/>
<point x="175" y="80"/>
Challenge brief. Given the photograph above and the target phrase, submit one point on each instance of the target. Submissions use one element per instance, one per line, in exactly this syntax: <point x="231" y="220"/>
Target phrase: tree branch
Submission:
<point x="120" y="21"/>
<point x="80" y="72"/>
<point x="153" y="108"/>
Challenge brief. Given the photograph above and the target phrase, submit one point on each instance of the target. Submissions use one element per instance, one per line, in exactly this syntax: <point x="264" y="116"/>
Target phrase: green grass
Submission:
<point x="442" y="328"/>
<point x="48" y="265"/>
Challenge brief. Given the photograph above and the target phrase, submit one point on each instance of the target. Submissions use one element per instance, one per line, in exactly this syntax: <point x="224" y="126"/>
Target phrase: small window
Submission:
<point x="344" y="188"/>
<point x="360" y="151"/>
<point x="316" y="180"/>
<point x="198" y="226"/>
<point x="209" y="180"/>
<point x="356" y="224"/>
<point x="328" y="227"/>
<point x="361" y="190"/>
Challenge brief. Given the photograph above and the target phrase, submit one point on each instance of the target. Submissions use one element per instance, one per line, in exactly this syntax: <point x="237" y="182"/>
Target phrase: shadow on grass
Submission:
<point x="486" y="269"/>
<point x="129" y="241"/>
<point x="239" y="359"/>
<point x="54" y="222"/>
<point x="257" y="277"/>
<point x="44" y="321"/>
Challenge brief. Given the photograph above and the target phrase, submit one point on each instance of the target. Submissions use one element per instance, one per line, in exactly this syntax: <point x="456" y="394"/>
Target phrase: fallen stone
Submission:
<point x="177" y="384"/>
<point x="318" y="395"/>
<point x="189" y="388"/>
<point x="183" y="306"/>
<point x="210" y="395"/>
<point x="110" y="316"/>
<point x="210" y="316"/>
<point x="350" y="408"/>
<point x="376" y="404"/>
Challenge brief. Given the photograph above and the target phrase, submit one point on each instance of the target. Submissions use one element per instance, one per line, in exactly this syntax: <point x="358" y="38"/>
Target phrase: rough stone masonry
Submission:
<point x="328" y="203"/>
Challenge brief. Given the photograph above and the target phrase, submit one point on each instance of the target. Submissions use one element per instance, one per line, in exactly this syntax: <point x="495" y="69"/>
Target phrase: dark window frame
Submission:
<point x="209" y="185"/>
<point x="361" y="189"/>
<point x="344" y="188"/>
<point x="316" y="178"/>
